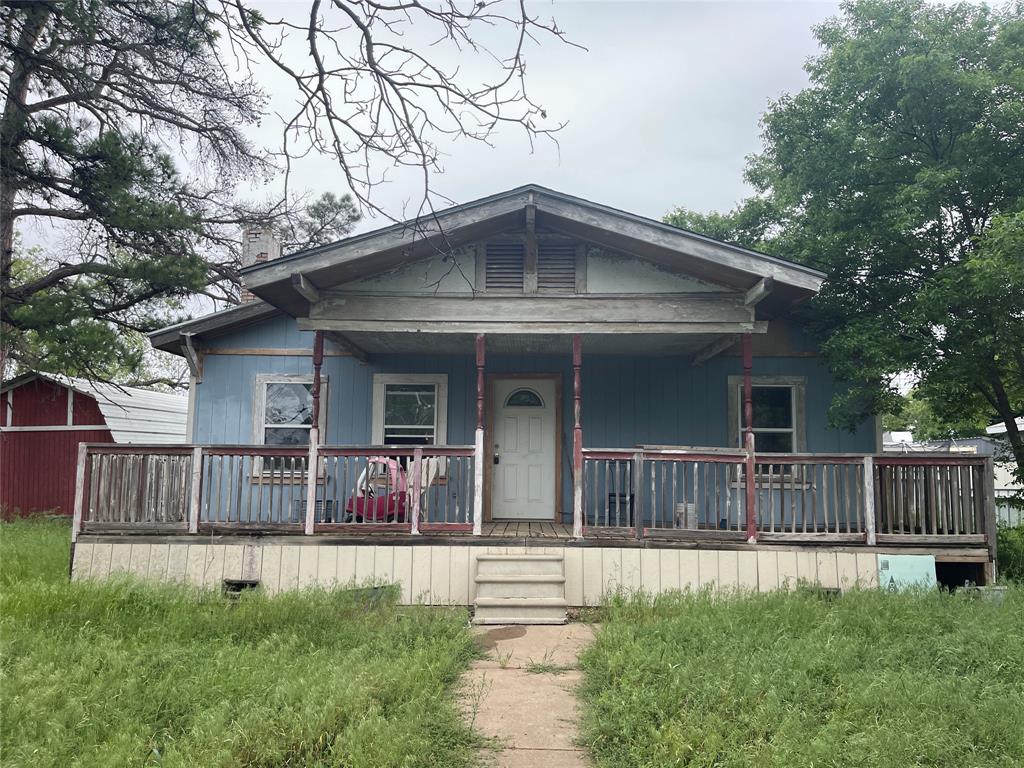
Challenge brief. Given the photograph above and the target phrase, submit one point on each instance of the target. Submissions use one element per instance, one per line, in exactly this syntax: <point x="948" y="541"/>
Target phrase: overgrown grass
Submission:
<point x="123" y="674"/>
<point x="1010" y="553"/>
<point x="867" y="679"/>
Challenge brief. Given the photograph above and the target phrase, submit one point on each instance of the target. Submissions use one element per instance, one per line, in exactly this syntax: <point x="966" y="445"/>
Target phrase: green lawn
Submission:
<point x="791" y="680"/>
<point x="124" y="674"/>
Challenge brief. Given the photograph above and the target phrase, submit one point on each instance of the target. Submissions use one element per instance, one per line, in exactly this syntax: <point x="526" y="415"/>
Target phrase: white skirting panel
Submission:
<point x="444" y="575"/>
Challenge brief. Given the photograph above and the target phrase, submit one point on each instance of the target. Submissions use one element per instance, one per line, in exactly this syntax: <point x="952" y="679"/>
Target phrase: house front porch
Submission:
<point x="530" y="479"/>
<point x="640" y="499"/>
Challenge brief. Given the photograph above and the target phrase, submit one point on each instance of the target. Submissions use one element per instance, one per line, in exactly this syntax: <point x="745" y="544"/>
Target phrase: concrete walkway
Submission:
<point x="521" y="694"/>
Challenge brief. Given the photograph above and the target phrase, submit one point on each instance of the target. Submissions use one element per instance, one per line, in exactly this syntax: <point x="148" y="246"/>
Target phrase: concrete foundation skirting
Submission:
<point x="445" y="575"/>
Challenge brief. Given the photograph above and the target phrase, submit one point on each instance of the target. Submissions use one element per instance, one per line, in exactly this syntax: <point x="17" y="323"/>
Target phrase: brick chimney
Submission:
<point x="258" y="245"/>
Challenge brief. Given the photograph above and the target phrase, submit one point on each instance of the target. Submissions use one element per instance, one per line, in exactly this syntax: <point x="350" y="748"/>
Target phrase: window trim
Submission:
<point x="798" y="386"/>
<point x="259" y="411"/>
<point x="439" y="380"/>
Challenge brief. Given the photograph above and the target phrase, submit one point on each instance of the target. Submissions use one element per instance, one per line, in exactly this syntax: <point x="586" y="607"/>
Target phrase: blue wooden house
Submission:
<point x="521" y="403"/>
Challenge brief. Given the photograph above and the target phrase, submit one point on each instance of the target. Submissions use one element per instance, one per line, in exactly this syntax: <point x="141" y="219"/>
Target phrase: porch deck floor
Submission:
<point x="534" y="529"/>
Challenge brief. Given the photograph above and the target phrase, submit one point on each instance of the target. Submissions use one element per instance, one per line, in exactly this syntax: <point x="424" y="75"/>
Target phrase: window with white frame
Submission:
<point x="778" y="419"/>
<point x="410" y="409"/>
<point x="283" y="412"/>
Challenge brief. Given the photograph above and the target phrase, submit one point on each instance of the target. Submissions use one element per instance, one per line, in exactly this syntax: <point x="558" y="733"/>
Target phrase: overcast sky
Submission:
<point x="662" y="108"/>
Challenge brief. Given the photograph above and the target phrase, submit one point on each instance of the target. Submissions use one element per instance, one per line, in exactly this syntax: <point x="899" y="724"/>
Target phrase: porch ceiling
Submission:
<point x="545" y="344"/>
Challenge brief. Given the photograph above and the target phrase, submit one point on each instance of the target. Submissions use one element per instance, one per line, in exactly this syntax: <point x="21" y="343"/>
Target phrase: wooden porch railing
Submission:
<point x="438" y="495"/>
<point x="853" y="498"/>
<point x="189" y="489"/>
<point x="664" y="491"/>
<point x="945" y="499"/>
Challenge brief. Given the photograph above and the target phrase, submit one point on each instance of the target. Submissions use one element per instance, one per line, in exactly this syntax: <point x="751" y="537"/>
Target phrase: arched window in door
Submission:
<point x="524" y="398"/>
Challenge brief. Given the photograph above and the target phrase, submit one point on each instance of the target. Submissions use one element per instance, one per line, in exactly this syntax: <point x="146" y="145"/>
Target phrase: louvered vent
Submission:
<point x="505" y="263"/>
<point x="556" y="267"/>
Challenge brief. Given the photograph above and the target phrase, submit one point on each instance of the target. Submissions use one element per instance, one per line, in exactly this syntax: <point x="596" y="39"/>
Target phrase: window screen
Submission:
<point x="774" y="419"/>
<point x="410" y="414"/>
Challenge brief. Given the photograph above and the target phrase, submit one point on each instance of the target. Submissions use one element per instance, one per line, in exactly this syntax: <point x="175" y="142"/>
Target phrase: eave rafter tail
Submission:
<point x="345" y="344"/>
<point x="715" y="348"/>
<point x="305" y="288"/>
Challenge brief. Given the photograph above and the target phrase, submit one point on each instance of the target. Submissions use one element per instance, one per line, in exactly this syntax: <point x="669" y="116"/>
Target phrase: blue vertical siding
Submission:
<point x="626" y="400"/>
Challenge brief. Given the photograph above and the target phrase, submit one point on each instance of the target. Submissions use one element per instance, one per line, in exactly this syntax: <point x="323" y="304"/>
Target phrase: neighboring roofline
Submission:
<point x="169" y="339"/>
<point x="404" y="225"/>
<point x="71" y="382"/>
<point x="999" y="428"/>
<point x="17" y="381"/>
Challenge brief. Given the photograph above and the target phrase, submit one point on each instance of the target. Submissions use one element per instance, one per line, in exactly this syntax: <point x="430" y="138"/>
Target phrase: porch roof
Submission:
<point x="641" y="344"/>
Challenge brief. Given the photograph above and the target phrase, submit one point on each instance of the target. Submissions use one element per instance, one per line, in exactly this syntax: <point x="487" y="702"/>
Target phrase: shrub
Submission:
<point x="1010" y="553"/>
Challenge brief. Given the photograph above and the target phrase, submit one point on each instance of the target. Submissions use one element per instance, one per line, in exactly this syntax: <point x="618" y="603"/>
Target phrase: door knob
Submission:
<point x="496" y="461"/>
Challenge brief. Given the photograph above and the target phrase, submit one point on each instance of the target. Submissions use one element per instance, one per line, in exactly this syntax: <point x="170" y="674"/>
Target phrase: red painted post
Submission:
<point x="478" y="441"/>
<point x="577" y="437"/>
<point x="748" y="435"/>
<point x="318" y="360"/>
<point x="481" y="353"/>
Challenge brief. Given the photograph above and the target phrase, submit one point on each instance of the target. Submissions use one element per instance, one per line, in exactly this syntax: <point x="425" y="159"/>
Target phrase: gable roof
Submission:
<point x="132" y="414"/>
<point x="170" y="339"/>
<point x="386" y="248"/>
<point x="389" y="247"/>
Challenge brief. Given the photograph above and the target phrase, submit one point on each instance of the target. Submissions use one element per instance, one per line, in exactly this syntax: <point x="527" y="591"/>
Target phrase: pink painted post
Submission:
<point x="478" y="441"/>
<point x="577" y="437"/>
<point x="748" y="435"/>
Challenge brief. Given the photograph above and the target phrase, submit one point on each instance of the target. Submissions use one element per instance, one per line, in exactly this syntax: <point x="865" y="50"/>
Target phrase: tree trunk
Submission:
<point x="1013" y="434"/>
<point x="14" y="117"/>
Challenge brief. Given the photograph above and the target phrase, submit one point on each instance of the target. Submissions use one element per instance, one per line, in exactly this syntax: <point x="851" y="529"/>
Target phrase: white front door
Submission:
<point x="523" y="479"/>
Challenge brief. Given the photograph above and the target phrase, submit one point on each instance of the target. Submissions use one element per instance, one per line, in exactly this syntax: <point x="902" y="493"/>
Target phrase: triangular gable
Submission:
<point x="672" y="249"/>
<point x="607" y="272"/>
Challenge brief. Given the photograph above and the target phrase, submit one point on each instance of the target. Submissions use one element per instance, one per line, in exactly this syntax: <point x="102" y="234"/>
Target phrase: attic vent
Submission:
<point x="556" y="267"/>
<point x="505" y="263"/>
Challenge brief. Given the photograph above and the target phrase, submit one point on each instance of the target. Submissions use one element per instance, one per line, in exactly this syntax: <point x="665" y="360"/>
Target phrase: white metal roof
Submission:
<point x="1000" y="429"/>
<point x="133" y="415"/>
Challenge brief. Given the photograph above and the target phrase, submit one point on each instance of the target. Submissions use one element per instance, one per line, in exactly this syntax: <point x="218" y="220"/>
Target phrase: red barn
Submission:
<point x="44" y="417"/>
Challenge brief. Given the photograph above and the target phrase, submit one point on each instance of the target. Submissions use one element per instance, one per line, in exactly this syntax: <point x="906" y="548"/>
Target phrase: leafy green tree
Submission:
<point x="899" y="171"/>
<point x="124" y="136"/>
<point x="917" y="415"/>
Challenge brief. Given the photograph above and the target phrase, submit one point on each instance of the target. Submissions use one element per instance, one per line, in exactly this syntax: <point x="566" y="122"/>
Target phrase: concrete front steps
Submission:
<point x="520" y="589"/>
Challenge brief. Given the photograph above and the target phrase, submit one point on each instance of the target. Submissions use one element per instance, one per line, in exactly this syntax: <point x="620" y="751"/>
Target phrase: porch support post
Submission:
<point x="196" y="495"/>
<point x="748" y="435"/>
<point x="870" y="537"/>
<point x="577" y="438"/>
<point x="313" y="462"/>
<point x="76" y="524"/>
<point x="989" y="505"/>
<point x="416" y="494"/>
<point x="478" y="441"/>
